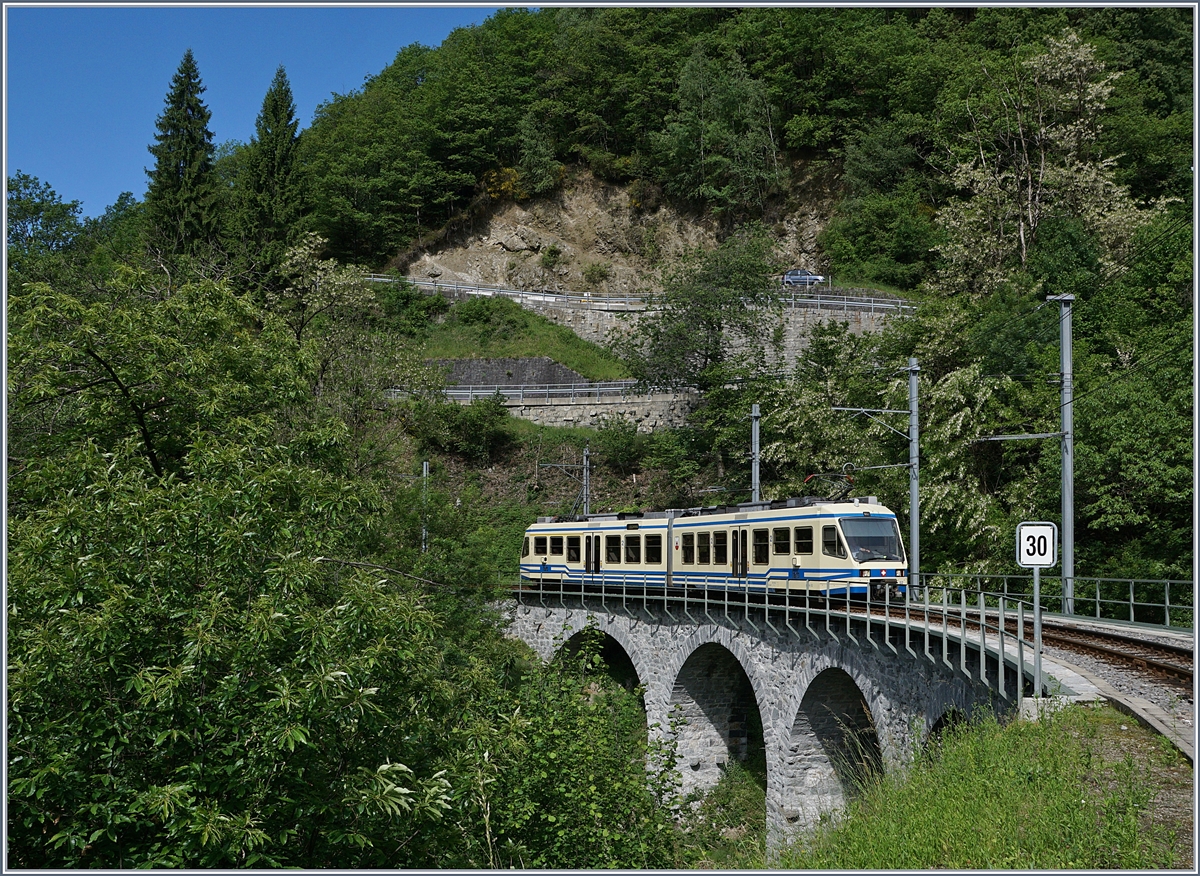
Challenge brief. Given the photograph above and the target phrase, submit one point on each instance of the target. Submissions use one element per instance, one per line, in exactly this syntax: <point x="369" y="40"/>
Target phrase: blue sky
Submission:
<point x="84" y="86"/>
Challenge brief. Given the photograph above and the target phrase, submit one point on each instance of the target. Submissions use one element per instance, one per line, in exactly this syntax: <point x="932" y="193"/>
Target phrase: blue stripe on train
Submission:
<point x="758" y="581"/>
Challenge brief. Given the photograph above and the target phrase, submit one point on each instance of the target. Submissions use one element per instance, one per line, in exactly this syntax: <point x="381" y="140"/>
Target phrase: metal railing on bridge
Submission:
<point x="964" y="630"/>
<point x="821" y="298"/>
<point x="1145" y="602"/>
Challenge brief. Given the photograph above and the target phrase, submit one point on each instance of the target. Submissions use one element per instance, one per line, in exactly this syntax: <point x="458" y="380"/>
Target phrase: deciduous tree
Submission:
<point x="716" y="319"/>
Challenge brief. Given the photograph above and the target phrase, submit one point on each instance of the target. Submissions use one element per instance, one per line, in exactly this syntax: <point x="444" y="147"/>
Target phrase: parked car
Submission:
<point x="801" y="277"/>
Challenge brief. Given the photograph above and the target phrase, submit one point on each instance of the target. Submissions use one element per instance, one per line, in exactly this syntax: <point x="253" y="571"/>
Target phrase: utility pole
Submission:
<point x="1068" y="453"/>
<point x="914" y="479"/>
<point x="1067" y="438"/>
<point x="754" y="482"/>
<point x="587" y="479"/>
<point x="587" y="476"/>
<point x="424" y="505"/>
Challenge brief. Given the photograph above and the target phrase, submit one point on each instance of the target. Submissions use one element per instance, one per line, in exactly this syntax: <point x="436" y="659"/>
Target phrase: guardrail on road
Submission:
<point x="543" y="392"/>
<point x="792" y="298"/>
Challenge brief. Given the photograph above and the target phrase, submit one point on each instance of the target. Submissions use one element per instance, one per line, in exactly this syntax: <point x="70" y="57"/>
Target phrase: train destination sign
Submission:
<point x="1037" y="545"/>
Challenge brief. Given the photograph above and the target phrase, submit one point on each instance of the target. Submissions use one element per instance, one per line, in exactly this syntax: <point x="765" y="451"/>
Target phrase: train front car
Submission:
<point x="859" y="550"/>
<point x="799" y="545"/>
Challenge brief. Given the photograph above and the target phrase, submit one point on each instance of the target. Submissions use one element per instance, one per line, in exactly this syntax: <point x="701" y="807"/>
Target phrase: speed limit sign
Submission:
<point x="1037" y="545"/>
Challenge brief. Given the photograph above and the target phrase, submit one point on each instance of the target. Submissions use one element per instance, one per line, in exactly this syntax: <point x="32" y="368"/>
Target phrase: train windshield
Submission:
<point x="873" y="538"/>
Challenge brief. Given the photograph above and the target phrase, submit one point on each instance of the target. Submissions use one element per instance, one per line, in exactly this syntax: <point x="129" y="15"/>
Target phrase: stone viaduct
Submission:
<point x="824" y="699"/>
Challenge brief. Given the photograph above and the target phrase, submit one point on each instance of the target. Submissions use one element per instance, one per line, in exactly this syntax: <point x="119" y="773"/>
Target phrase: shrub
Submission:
<point x="597" y="272"/>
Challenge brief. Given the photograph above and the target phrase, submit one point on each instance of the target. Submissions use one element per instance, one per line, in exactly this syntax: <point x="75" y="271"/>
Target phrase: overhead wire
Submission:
<point x="1128" y="372"/>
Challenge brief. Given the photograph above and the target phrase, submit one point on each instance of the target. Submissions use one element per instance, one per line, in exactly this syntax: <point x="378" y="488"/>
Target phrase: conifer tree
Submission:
<point x="181" y="198"/>
<point x="269" y="200"/>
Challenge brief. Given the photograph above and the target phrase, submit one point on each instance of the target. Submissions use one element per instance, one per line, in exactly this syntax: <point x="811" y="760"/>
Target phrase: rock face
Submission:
<point x="589" y="236"/>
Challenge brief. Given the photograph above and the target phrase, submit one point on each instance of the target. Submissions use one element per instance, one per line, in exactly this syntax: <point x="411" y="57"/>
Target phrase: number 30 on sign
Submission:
<point x="1037" y="545"/>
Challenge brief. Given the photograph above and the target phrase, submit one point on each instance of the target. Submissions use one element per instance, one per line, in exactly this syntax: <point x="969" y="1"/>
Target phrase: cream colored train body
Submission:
<point x="792" y="545"/>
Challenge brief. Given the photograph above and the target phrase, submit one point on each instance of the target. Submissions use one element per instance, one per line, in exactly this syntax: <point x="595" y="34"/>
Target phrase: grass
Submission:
<point x="493" y="328"/>
<point x="1085" y="788"/>
<point x="1068" y="792"/>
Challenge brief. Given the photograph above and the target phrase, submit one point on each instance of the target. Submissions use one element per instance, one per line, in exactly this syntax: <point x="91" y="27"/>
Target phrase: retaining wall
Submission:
<point x="647" y="412"/>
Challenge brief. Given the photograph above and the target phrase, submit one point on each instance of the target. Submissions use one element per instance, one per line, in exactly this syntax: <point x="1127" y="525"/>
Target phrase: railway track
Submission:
<point x="1160" y="659"/>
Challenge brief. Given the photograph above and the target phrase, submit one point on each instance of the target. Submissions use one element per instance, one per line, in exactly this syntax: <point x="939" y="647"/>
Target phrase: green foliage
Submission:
<point x="887" y="238"/>
<point x="551" y="258"/>
<point x="313" y="287"/>
<point x="409" y="310"/>
<point x="40" y="225"/>
<point x="711" y="302"/>
<point x="990" y="796"/>
<point x="595" y="273"/>
<point x="181" y="198"/>
<point x="190" y="686"/>
<point x="718" y="147"/>
<point x="620" y="444"/>
<point x="268" y="198"/>
<point x="48" y="243"/>
<point x="578" y="780"/>
<point x="151" y="370"/>
<point x="700" y="103"/>
<point x="477" y="431"/>
<point x="727" y="826"/>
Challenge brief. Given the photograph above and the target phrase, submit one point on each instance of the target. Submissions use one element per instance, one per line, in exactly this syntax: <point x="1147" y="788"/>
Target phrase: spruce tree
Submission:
<point x="269" y="201"/>
<point x="181" y="199"/>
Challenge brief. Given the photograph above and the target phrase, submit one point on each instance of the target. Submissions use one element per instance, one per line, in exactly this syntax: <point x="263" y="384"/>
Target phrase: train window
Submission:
<point x="720" y="548"/>
<point x="804" y="543"/>
<point x="556" y="545"/>
<point x="831" y="542"/>
<point x="704" y="556"/>
<point x="689" y="548"/>
<point x="612" y="548"/>
<point x="572" y="549"/>
<point x="654" y="549"/>
<point x="633" y="548"/>
<point x="539" y="545"/>
<point x="525" y="547"/>
<point x="783" y="540"/>
<point x="762" y="546"/>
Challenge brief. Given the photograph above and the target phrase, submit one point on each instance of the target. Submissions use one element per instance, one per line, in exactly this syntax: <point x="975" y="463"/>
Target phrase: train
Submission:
<point x="822" y="547"/>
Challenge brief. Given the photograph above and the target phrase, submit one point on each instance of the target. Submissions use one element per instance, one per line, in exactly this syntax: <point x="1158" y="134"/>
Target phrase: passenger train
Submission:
<point x="799" y="545"/>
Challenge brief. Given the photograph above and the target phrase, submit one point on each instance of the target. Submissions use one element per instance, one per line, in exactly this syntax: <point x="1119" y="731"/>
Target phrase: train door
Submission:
<point x="591" y="563"/>
<point x="741" y="556"/>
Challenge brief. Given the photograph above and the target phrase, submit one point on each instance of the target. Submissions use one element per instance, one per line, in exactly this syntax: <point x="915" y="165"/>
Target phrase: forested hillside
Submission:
<point x="243" y="631"/>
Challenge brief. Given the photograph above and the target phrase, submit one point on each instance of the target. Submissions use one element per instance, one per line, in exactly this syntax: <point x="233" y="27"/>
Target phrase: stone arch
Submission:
<point x="833" y="744"/>
<point x="952" y="717"/>
<point x="619" y="633"/>
<point x="715" y="714"/>
<point x="617" y="659"/>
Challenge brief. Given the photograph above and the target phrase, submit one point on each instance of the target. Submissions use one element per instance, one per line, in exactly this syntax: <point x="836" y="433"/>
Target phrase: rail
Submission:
<point x="793" y="298"/>
<point x="965" y="631"/>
